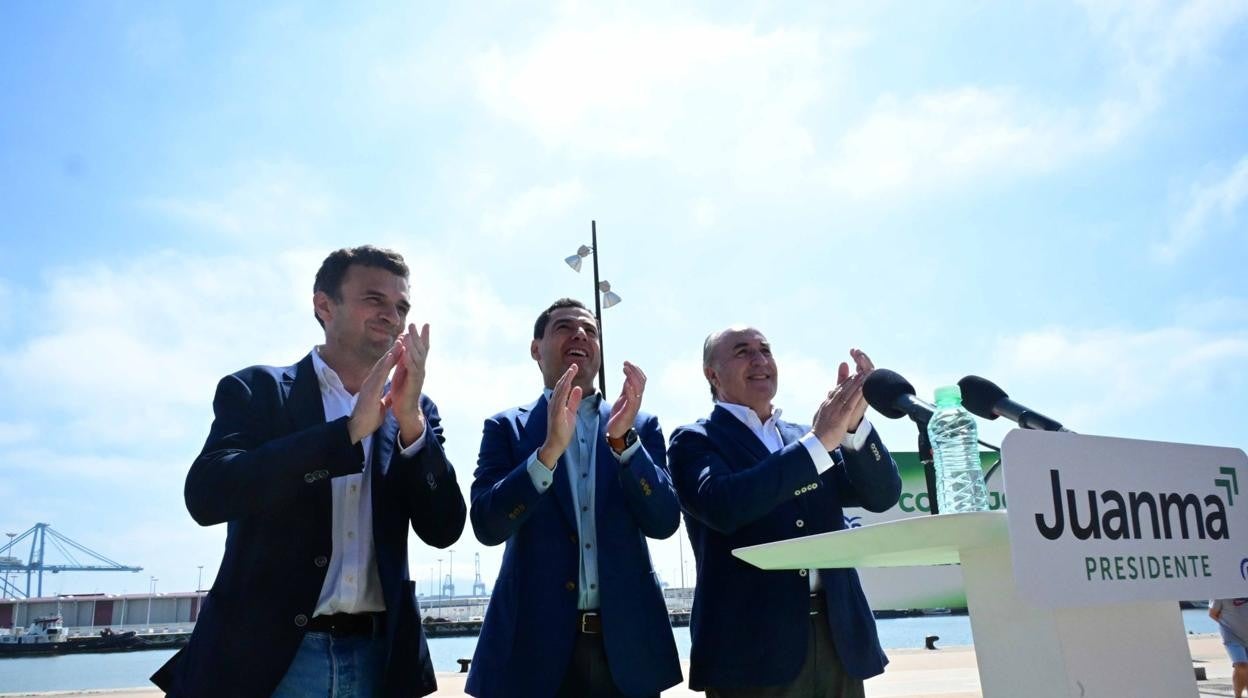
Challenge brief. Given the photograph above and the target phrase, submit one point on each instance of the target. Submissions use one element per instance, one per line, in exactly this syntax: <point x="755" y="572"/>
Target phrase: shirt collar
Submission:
<point x="748" y="416"/>
<point x="326" y="376"/>
<point x="588" y="404"/>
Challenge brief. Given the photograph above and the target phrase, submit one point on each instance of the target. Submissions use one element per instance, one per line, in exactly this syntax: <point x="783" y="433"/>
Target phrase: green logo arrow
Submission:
<point x="1231" y="485"/>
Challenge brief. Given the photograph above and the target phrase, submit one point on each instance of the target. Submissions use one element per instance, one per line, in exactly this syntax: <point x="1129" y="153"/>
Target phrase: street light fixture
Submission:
<point x="604" y="297"/>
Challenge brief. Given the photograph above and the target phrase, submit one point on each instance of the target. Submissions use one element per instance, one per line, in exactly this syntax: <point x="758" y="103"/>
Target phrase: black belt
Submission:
<point x="589" y="622"/>
<point x="344" y="624"/>
<point x="818" y="604"/>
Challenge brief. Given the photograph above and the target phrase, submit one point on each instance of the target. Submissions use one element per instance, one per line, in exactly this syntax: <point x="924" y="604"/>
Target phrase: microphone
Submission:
<point x="984" y="399"/>
<point x="893" y="396"/>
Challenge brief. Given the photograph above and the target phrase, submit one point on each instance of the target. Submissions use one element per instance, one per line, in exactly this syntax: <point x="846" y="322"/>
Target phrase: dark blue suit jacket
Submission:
<point x="265" y="470"/>
<point x="530" y="625"/>
<point x="749" y="626"/>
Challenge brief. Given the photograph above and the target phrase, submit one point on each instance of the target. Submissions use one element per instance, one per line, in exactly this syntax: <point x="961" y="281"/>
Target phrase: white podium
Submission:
<point x="1128" y="649"/>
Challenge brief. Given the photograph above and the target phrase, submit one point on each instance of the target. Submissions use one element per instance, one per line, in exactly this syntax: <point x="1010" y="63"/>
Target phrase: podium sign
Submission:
<point x="1098" y="520"/>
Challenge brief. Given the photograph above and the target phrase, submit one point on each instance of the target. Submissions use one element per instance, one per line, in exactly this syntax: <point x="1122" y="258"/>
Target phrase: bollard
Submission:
<point x="930" y="641"/>
<point x="463" y="665"/>
<point x="1200" y="674"/>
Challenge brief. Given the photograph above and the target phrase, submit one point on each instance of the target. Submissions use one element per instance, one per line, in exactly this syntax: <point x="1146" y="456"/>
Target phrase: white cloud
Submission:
<point x="941" y="137"/>
<point x="1151" y="40"/>
<point x="528" y="212"/>
<point x="266" y="200"/>
<point x="17" y="432"/>
<point x="1104" y="381"/>
<point x="698" y="95"/>
<point x="1209" y="204"/>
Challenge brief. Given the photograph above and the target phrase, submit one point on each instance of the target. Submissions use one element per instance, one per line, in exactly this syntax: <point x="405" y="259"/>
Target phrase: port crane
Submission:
<point x="77" y="558"/>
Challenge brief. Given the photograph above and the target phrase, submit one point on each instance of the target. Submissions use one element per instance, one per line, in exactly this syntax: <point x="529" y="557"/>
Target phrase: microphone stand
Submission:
<point x="928" y="463"/>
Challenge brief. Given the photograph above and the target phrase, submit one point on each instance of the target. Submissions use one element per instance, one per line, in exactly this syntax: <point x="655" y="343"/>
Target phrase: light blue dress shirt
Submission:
<point x="579" y="461"/>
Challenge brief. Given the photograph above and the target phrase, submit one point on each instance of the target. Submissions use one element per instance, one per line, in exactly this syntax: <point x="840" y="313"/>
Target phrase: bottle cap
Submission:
<point x="947" y="395"/>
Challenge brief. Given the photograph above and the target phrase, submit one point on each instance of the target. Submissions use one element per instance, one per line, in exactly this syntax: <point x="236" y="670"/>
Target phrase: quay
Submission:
<point x="912" y="673"/>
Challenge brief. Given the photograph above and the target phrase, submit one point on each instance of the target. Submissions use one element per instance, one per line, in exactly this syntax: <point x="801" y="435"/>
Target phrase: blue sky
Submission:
<point x="1054" y="196"/>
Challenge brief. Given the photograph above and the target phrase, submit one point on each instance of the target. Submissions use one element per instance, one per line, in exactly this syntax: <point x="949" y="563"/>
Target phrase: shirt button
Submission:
<point x="588" y="546"/>
<point x="320" y="561"/>
<point x="350" y="579"/>
<point x="801" y="573"/>
<point x="799" y="523"/>
<point x="593" y="586"/>
<point x="351" y="534"/>
<point x="545" y="483"/>
<point x="584" y="508"/>
<point x="353" y="489"/>
<point x="301" y="620"/>
<point x="584" y="474"/>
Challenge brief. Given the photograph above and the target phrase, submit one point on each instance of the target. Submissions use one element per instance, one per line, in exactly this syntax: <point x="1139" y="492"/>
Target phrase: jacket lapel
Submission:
<point x="731" y="427"/>
<point x="302" y="393"/>
<point x="533" y="424"/>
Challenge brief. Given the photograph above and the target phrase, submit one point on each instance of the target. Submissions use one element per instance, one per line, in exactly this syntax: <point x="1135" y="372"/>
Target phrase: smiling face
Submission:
<point x="370" y="313"/>
<point x="740" y="368"/>
<point x="571" y="337"/>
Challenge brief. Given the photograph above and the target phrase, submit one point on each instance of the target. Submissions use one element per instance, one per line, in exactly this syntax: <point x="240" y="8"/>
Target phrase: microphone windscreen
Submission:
<point x="882" y="388"/>
<point x="979" y="395"/>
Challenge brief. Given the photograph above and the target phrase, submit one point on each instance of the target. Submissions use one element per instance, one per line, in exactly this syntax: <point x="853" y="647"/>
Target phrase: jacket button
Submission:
<point x="322" y="474"/>
<point x="799" y="523"/>
<point x="570" y="586"/>
<point x="814" y="485"/>
<point x="796" y="492"/>
<point x="801" y="573"/>
<point x="301" y="620"/>
<point x="320" y="561"/>
<point x="309" y="478"/>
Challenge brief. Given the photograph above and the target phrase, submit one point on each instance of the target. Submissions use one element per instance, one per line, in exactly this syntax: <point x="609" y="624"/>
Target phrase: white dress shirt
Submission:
<point x="352" y="584"/>
<point x="769" y="434"/>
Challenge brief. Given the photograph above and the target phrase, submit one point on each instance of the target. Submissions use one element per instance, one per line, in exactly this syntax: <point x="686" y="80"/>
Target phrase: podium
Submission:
<point x="1023" y="651"/>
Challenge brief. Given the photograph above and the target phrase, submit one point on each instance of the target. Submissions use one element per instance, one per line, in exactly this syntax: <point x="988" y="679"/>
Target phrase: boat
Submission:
<point x="46" y="635"/>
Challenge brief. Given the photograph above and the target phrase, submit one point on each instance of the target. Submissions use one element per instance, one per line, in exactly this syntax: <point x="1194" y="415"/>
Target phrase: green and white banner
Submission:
<point x="903" y="588"/>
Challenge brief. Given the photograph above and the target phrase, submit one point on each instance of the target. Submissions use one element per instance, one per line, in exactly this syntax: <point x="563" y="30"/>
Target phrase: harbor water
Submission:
<point x="131" y="669"/>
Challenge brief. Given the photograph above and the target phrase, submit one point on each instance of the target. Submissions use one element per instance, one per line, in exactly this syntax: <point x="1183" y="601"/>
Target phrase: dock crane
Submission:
<point x="78" y="558"/>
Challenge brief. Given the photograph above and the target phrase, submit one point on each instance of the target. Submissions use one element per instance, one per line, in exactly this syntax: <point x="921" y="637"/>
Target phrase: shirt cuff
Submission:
<point x="818" y="454"/>
<point x="628" y="452"/>
<point x="854" y="441"/>
<point x="419" y="443"/>
<point x="541" y="476"/>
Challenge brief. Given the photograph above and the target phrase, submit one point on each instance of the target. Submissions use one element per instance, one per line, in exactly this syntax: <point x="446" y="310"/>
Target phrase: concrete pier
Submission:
<point x="943" y="673"/>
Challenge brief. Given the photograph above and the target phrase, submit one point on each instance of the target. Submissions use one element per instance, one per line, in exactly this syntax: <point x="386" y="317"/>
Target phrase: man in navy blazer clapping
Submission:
<point x="574" y="485"/>
<point x="746" y="477"/>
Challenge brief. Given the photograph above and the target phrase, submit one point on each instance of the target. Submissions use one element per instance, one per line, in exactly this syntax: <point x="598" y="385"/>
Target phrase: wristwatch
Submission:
<point x="622" y="444"/>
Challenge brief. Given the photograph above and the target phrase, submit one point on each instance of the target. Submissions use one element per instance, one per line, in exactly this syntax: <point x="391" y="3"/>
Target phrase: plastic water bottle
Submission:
<point x="955" y="449"/>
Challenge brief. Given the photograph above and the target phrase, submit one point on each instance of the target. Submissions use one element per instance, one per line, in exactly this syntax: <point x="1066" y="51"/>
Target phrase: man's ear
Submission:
<point x="710" y="376"/>
<point x="323" y="305"/>
<point x="534" y="352"/>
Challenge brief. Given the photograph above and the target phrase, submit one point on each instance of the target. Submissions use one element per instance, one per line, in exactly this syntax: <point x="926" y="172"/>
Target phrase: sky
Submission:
<point x="1051" y="195"/>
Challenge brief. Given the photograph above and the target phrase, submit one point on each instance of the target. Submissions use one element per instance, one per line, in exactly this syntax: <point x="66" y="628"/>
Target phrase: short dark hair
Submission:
<point x="334" y="269"/>
<point x="539" y="327"/>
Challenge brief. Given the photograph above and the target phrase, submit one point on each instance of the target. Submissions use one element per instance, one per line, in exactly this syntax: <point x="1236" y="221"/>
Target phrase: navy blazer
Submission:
<point x="265" y="470"/>
<point x="530" y="625"/>
<point x="749" y="626"/>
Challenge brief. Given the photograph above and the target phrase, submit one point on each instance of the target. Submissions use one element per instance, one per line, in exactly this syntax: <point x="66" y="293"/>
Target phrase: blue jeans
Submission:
<point x="334" y="667"/>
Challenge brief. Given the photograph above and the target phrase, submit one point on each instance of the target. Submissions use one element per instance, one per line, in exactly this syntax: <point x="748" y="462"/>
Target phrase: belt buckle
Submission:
<point x="585" y="625"/>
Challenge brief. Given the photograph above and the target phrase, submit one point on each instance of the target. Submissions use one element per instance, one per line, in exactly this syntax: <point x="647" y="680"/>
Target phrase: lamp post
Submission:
<point x="604" y="297"/>
<point x="199" y="580"/>
<point x="439" y="576"/>
<point x="8" y="553"/>
<point x="450" y="571"/>
<point x="150" y="597"/>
